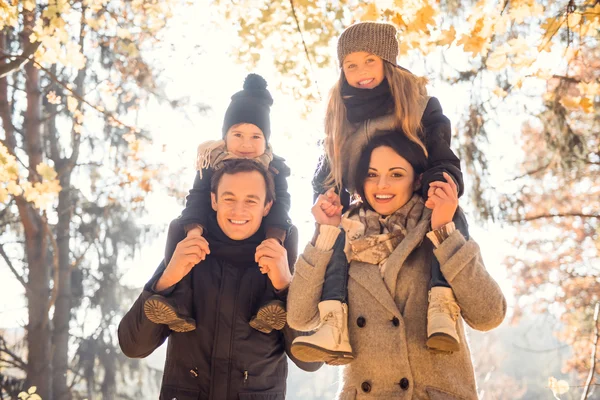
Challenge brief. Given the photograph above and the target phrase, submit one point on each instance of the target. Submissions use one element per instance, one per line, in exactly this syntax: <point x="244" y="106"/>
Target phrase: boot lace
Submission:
<point x="446" y="306"/>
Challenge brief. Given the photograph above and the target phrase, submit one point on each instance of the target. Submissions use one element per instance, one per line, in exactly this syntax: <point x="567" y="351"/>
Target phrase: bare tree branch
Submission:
<point x="588" y="383"/>
<point x="81" y="98"/>
<point x="19" y="60"/>
<point x="12" y="268"/>
<point x="557" y="215"/>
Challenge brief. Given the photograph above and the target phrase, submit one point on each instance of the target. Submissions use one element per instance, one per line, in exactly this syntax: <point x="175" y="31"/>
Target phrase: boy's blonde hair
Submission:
<point x="408" y="91"/>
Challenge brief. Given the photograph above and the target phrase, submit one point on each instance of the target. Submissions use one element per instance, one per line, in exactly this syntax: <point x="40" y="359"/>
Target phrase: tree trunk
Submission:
<point x="62" y="308"/>
<point x="36" y="246"/>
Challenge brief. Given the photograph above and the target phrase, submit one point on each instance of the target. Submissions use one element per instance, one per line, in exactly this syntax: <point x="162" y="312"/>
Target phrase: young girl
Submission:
<point x="246" y="131"/>
<point x="374" y="95"/>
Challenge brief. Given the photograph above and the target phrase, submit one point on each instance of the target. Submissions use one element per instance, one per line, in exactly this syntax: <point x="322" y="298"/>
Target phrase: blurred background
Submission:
<point x="103" y="104"/>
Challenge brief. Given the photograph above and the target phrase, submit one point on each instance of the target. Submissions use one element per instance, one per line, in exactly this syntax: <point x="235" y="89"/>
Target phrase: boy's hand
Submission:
<point x="327" y="210"/>
<point x="188" y="253"/>
<point x="272" y="259"/>
<point x="195" y="232"/>
<point x="443" y="200"/>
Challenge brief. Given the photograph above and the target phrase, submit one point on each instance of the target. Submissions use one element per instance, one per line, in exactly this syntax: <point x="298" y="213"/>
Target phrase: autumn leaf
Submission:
<point x="573" y="19"/>
<point x="587" y="105"/>
<point x="398" y="20"/>
<point x="72" y="104"/>
<point x="447" y="37"/>
<point x="550" y="28"/>
<point x="498" y="59"/>
<point x="571" y="103"/>
<point x="424" y="18"/>
<point x="473" y="44"/>
<point x="46" y="171"/>
<point x="53" y="98"/>
<point x="498" y="91"/>
<point x="558" y="386"/>
<point x="371" y="13"/>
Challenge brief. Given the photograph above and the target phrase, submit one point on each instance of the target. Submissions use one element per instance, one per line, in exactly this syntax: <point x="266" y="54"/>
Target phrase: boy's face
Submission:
<point x="245" y="140"/>
<point x="363" y="70"/>
<point x="240" y="204"/>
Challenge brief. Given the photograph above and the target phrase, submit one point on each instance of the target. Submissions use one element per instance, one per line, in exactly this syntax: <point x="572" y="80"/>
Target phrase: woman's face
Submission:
<point x="390" y="181"/>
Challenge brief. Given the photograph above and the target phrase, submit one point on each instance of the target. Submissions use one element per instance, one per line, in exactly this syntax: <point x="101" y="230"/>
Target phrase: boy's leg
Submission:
<point x="173" y="306"/>
<point x="331" y="342"/>
<point x="443" y="309"/>
<point x="271" y="314"/>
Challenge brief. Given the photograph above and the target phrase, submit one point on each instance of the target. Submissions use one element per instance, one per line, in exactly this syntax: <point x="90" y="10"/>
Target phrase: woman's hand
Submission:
<point x="327" y="210"/>
<point x="443" y="200"/>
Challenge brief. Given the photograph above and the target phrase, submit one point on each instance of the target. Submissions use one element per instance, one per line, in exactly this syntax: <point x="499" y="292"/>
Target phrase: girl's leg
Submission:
<point x="443" y="309"/>
<point x="331" y="342"/>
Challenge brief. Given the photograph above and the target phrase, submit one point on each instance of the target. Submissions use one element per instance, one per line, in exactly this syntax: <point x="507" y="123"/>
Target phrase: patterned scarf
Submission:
<point x="212" y="154"/>
<point x="371" y="238"/>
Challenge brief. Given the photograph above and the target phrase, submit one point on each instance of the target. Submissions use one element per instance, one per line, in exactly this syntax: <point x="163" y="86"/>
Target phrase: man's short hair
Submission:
<point x="232" y="167"/>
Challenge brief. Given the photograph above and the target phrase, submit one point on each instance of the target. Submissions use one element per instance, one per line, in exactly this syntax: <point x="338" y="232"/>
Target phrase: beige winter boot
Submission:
<point x="330" y="343"/>
<point x="441" y="320"/>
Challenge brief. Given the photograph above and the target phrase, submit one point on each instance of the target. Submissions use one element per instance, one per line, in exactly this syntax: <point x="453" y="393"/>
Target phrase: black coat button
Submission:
<point x="396" y="321"/>
<point x="361" y="322"/>
<point x="366" y="387"/>
<point x="404" y="384"/>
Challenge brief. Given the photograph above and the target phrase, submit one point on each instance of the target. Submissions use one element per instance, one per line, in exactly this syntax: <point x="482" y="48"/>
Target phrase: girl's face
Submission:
<point x="245" y="140"/>
<point x="363" y="70"/>
<point x="390" y="181"/>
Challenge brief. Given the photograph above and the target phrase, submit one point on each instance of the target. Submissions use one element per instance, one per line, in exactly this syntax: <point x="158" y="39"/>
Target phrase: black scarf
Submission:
<point x="237" y="252"/>
<point x="364" y="104"/>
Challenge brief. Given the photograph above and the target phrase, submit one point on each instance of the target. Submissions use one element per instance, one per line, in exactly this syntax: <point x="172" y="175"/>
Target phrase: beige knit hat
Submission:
<point x="373" y="37"/>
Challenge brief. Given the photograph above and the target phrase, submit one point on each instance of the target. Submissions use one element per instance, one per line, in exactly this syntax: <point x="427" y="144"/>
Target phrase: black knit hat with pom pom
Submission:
<point x="252" y="105"/>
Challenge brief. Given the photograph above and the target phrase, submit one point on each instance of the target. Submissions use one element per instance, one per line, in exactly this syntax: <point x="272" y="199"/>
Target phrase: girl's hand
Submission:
<point x="443" y="200"/>
<point x="327" y="210"/>
<point x="335" y="204"/>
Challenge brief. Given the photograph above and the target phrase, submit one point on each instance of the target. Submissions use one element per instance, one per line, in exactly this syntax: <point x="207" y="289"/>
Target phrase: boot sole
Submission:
<point x="443" y="343"/>
<point x="159" y="312"/>
<point x="310" y="353"/>
<point x="269" y="317"/>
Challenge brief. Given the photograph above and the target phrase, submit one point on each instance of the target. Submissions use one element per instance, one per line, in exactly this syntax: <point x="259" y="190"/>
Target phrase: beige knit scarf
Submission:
<point x="212" y="154"/>
<point x="371" y="238"/>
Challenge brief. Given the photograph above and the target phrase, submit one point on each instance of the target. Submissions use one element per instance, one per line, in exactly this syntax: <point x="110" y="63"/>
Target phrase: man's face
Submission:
<point x="240" y="204"/>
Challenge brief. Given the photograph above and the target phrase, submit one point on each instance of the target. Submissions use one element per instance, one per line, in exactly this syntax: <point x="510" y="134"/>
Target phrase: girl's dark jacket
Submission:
<point x="224" y="358"/>
<point x="437" y="134"/>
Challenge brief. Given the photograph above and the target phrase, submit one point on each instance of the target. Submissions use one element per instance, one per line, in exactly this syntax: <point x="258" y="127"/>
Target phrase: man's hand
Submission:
<point x="188" y="253"/>
<point x="327" y="210"/>
<point x="443" y="200"/>
<point x="272" y="260"/>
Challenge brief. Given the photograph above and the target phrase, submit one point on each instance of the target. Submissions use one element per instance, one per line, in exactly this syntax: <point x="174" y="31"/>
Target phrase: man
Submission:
<point x="224" y="357"/>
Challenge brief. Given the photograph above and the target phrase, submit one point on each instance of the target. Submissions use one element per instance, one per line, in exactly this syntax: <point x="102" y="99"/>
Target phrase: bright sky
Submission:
<point x="202" y="69"/>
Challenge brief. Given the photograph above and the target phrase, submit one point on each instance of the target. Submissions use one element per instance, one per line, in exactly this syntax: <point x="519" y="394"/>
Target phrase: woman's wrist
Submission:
<point x="326" y="236"/>
<point x="437" y="236"/>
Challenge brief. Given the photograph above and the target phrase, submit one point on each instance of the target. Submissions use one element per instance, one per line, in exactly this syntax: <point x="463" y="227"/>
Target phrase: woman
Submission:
<point x="384" y="240"/>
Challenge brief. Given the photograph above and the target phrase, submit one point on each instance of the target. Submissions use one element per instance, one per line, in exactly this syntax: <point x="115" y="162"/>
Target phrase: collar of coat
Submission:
<point x="368" y="275"/>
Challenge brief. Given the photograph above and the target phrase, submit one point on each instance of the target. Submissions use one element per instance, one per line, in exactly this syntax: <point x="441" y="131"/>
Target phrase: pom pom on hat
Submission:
<point x="252" y="105"/>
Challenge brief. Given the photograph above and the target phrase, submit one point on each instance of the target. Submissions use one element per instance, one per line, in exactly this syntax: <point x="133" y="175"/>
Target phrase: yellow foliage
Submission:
<point x="447" y="37"/>
<point x="474" y="44"/>
<point x="371" y="13"/>
<point x="41" y="194"/>
<point x="558" y="386"/>
<point x="424" y="17"/>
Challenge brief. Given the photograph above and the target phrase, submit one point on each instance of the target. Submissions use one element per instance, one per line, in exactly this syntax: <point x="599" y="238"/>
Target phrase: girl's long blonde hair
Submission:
<point x="408" y="91"/>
